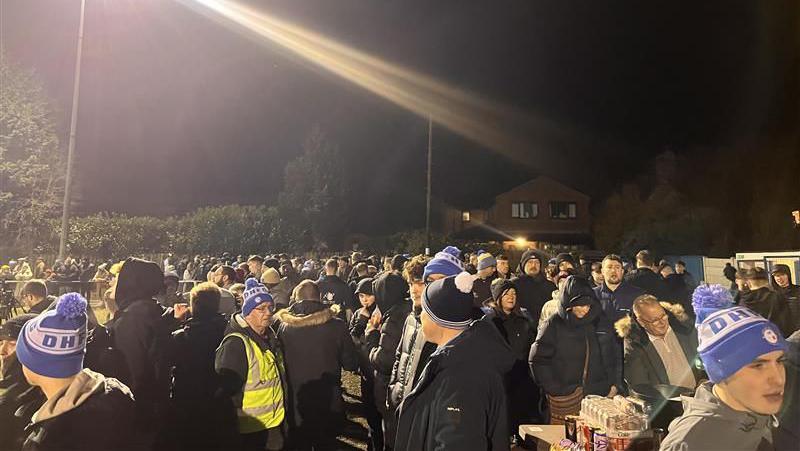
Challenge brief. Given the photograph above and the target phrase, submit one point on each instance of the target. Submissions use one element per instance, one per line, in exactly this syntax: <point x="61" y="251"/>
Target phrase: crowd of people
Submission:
<point x="453" y="351"/>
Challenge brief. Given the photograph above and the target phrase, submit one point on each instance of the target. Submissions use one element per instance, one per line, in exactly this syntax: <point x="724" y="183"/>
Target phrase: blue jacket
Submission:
<point x="619" y="302"/>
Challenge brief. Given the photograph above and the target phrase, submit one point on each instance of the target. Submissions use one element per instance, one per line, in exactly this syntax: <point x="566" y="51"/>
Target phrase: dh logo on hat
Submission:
<point x="770" y="335"/>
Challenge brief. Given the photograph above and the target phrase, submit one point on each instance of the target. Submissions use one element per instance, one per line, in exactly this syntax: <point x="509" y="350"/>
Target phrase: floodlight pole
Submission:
<point x="428" y="194"/>
<point x="62" y="245"/>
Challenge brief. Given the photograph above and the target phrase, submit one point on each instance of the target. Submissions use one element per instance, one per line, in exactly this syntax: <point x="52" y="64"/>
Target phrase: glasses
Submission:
<point x="660" y="319"/>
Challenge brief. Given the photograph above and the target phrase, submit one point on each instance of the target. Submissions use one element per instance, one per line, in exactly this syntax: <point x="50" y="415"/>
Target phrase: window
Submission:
<point x="465" y="216"/>
<point x="524" y="210"/>
<point x="563" y="210"/>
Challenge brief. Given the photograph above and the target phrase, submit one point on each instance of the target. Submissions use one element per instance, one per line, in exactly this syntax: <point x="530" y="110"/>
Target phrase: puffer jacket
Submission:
<point x="411" y="356"/>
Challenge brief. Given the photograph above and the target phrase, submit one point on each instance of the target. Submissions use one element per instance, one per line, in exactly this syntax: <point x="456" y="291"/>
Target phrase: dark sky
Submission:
<point x="179" y="111"/>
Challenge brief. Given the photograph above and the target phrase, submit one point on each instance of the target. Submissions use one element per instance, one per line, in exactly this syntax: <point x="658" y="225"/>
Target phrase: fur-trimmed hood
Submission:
<point x="307" y="313"/>
<point x="675" y="312"/>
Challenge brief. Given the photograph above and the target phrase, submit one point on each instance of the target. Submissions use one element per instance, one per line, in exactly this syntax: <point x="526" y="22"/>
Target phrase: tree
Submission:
<point x="31" y="164"/>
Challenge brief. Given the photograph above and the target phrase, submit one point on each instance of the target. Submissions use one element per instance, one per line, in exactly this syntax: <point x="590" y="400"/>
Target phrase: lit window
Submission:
<point x="563" y="210"/>
<point x="524" y="210"/>
<point x="465" y="216"/>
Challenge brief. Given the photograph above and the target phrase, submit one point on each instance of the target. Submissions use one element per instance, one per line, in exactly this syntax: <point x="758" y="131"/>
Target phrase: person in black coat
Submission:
<point x="646" y="278"/>
<point x="515" y="325"/>
<point x="533" y="288"/>
<point x="202" y="417"/>
<point x="557" y="356"/>
<point x="781" y="280"/>
<point x="317" y="346"/>
<point x="334" y="290"/>
<point x="761" y="299"/>
<point x="459" y="401"/>
<point x="358" y="327"/>
<point x="383" y="334"/>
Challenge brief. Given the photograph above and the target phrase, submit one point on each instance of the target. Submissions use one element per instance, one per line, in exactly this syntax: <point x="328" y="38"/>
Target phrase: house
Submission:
<point x="541" y="213"/>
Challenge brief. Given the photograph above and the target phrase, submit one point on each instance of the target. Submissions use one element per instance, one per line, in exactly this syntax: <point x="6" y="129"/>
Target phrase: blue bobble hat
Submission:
<point x="446" y="262"/>
<point x="53" y="344"/>
<point x="486" y="260"/>
<point x="254" y="295"/>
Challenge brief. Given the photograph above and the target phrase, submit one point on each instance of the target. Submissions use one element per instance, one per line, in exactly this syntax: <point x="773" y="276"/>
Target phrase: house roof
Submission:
<point x="485" y="202"/>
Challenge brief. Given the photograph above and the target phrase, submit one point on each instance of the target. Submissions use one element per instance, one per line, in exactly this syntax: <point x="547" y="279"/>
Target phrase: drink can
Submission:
<point x="619" y="443"/>
<point x="600" y="440"/>
<point x="571" y="427"/>
<point x="590" y="438"/>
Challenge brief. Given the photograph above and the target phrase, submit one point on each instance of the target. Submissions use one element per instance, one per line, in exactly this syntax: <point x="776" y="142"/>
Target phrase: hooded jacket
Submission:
<point x="533" y="291"/>
<point x="557" y="356"/>
<point x="708" y="424"/>
<point x="459" y="401"/>
<point x="334" y="290"/>
<point x="18" y="401"/>
<point x="769" y="304"/>
<point x="381" y="344"/>
<point x="194" y="346"/>
<point x="92" y="413"/>
<point x="792" y="295"/>
<point x="316" y="346"/>
<point x="643" y="365"/>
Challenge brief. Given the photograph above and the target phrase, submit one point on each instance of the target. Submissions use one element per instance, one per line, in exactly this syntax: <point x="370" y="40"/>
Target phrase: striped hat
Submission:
<point x="448" y="301"/>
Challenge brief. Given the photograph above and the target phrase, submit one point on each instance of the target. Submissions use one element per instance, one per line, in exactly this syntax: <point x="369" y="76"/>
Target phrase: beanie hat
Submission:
<point x="398" y="261"/>
<point x="444" y="262"/>
<point x="448" y="301"/>
<point x="499" y="288"/>
<point x="365" y="286"/>
<point x="254" y="295"/>
<point x="732" y="338"/>
<point x="270" y="276"/>
<point x="10" y="329"/>
<point x="53" y="344"/>
<point x="565" y="257"/>
<point x="707" y="299"/>
<point x="486" y="260"/>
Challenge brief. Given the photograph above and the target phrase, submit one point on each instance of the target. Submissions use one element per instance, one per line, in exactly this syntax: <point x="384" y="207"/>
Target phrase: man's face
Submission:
<point x="680" y="269"/>
<point x="781" y="279"/>
<point x="533" y="266"/>
<point x="666" y="271"/>
<point x="366" y="300"/>
<point x="415" y="289"/>
<point x="509" y="300"/>
<point x="612" y="271"/>
<point x="502" y="266"/>
<point x="565" y="265"/>
<point x="254" y="266"/>
<point x="261" y="315"/>
<point x="579" y="311"/>
<point x="758" y="387"/>
<point x="7" y="348"/>
<point x="654" y="319"/>
<point x="597" y="276"/>
<point x="473" y="260"/>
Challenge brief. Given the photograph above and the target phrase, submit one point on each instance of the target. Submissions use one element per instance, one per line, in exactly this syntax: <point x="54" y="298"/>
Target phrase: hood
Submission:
<point x="479" y="346"/>
<point x="578" y="291"/>
<point x="529" y="254"/>
<point x="627" y="326"/>
<point x="307" y="313"/>
<point x="772" y="282"/>
<point x="85" y="384"/>
<point x="138" y="279"/>
<point x="752" y="299"/>
<point x="390" y="289"/>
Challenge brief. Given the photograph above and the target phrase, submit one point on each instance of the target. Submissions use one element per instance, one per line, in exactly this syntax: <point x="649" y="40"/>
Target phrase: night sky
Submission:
<point x="178" y="110"/>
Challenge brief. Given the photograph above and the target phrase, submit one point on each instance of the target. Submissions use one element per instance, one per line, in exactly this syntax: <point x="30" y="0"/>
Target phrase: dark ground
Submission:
<point x="355" y="432"/>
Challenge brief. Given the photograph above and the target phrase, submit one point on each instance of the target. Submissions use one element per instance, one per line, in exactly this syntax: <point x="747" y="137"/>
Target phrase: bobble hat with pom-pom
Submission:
<point x="254" y="295"/>
<point x="448" y="301"/>
<point x="708" y="299"/>
<point x="445" y="262"/>
<point x="53" y="344"/>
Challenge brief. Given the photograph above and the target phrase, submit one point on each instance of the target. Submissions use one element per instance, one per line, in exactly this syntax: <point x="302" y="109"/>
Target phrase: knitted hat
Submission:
<point x="254" y="295"/>
<point x="448" y="301"/>
<point x="499" y="288"/>
<point x="270" y="276"/>
<point x="486" y="260"/>
<point x="53" y="344"/>
<point x="732" y="338"/>
<point x="365" y="286"/>
<point x="445" y="262"/>
<point x="9" y="330"/>
<point x="707" y="299"/>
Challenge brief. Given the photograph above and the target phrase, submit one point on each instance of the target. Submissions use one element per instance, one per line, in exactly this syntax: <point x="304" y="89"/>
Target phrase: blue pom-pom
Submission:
<point x="71" y="305"/>
<point x="452" y="250"/>
<point x="251" y="283"/>
<point x="707" y="299"/>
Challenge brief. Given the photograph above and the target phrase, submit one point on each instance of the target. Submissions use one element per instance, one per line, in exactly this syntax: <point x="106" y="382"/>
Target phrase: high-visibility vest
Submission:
<point x="262" y="400"/>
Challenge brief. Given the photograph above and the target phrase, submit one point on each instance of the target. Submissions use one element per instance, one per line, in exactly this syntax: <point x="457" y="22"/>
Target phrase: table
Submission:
<point x="541" y="436"/>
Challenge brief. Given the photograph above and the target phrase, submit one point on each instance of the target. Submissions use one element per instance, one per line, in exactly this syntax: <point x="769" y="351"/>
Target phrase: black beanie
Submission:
<point x="500" y="286"/>
<point x="365" y="286"/>
<point x="448" y="301"/>
<point x="10" y="328"/>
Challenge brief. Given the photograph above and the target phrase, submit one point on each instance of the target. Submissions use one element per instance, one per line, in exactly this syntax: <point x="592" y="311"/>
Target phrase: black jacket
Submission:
<point x="533" y="292"/>
<point x="649" y="282"/>
<point x="194" y="347"/>
<point x="618" y="303"/>
<point x="102" y="421"/>
<point x="769" y="304"/>
<point x="316" y="346"/>
<point x="459" y="402"/>
<point x="410" y="359"/>
<point x="18" y="401"/>
<point x="517" y="328"/>
<point x="643" y="366"/>
<point x="334" y="290"/>
<point x="557" y="357"/>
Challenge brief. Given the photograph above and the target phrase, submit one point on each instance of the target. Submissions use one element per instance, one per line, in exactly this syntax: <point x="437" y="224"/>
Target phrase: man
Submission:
<point x="482" y="288"/>
<point x="782" y="281"/>
<point x="645" y="277"/>
<point x="761" y="299"/>
<point x="224" y="277"/>
<point x="596" y="270"/>
<point x="743" y="354"/>
<point x="677" y="290"/>
<point x="35" y="298"/>
<point x="615" y="294"/>
<point x="250" y="365"/>
<point x="334" y="290"/>
<point x="533" y="289"/>
<point x="18" y="399"/>
<point x="272" y="280"/>
<point x="688" y="278"/>
<point x="459" y="401"/>
<point x="317" y="346"/>
<point x="344" y="268"/>
<point x="255" y="264"/>
<point x="730" y="273"/>
<point x="503" y="269"/>
<point x="660" y="345"/>
<point x="84" y="409"/>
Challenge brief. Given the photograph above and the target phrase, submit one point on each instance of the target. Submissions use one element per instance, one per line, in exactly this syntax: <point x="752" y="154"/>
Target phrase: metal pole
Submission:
<point x="428" y="196"/>
<point x="62" y="245"/>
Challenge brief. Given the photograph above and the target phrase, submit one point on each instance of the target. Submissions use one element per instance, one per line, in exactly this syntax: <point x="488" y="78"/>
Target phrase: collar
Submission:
<point x="654" y="338"/>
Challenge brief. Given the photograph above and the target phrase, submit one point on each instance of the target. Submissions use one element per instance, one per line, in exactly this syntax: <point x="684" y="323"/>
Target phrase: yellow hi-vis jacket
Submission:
<point x="262" y="400"/>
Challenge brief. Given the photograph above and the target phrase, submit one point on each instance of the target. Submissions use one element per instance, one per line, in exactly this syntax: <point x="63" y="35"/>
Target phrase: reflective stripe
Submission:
<point x="262" y="400"/>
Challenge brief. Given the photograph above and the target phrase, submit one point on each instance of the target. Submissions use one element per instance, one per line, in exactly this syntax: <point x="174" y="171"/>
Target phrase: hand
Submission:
<point x="612" y="392"/>
<point x="374" y="321"/>
<point x="180" y="311"/>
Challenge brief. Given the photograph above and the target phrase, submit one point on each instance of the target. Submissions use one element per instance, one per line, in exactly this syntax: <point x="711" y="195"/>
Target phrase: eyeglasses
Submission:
<point x="660" y="319"/>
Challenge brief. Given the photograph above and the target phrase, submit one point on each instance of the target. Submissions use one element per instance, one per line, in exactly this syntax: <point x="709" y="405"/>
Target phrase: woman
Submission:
<point x="575" y="354"/>
<point x="519" y="331"/>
